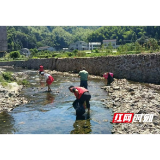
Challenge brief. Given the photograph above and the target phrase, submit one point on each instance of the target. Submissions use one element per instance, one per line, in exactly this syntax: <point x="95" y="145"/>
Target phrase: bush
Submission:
<point x="7" y="76"/>
<point x="75" y="51"/>
<point x="96" y="50"/>
<point x="81" y="54"/>
<point x="14" y="54"/>
<point x="55" y="54"/>
<point x="69" y="54"/>
<point x="4" y="84"/>
<point x="1" y="78"/>
<point x="23" y="82"/>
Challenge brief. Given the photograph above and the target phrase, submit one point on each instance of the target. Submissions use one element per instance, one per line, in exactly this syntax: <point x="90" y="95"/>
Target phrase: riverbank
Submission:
<point x="10" y="94"/>
<point x="124" y="97"/>
<point x="130" y="97"/>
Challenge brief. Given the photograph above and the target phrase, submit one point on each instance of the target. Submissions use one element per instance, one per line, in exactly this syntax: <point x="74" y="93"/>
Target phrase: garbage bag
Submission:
<point x="79" y="108"/>
<point x="110" y="79"/>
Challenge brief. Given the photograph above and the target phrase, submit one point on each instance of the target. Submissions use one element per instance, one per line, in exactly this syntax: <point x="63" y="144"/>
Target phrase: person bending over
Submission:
<point x="82" y="95"/>
<point x="49" y="79"/>
<point x="109" y="77"/>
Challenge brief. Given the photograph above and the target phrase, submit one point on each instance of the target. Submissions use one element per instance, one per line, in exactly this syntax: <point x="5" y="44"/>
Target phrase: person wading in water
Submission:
<point x="82" y="95"/>
<point x="83" y="78"/>
<point x="49" y="79"/>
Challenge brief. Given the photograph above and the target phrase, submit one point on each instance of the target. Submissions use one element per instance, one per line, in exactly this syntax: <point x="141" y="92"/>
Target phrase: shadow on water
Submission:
<point x="52" y="112"/>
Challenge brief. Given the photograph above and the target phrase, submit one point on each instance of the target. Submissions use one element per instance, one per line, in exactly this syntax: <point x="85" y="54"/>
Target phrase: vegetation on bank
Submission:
<point x="62" y="36"/>
<point x="150" y="46"/>
<point x="8" y="77"/>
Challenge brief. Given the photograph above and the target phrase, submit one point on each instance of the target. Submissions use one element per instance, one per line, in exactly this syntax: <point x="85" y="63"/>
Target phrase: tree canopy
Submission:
<point x="62" y="36"/>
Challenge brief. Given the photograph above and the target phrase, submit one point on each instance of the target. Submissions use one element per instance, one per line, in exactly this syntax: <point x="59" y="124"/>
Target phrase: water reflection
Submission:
<point x="82" y="125"/>
<point x="6" y="123"/>
<point x="50" y="112"/>
<point x="49" y="98"/>
<point x="42" y="83"/>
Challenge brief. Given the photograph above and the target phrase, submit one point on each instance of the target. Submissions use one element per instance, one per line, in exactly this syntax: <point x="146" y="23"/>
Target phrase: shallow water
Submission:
<point x="52" y="112"/>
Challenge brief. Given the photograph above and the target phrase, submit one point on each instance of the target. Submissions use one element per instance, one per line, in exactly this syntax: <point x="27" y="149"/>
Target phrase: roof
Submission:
<point x="25" y="49"/>
<point x="44" y="47"/>
<point x="80" y="42"/>
<point x="95" y="43"/>
<point x="110" y="40"/>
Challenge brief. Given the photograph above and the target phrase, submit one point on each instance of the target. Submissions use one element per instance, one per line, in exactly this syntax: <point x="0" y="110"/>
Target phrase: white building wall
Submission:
<point x="79" y="45"/>
<point x="94" y="45"/>
<point x="107" y="42"/>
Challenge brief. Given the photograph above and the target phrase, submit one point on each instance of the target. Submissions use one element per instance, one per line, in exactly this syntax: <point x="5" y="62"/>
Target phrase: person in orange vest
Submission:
<point x="82" y="95"/>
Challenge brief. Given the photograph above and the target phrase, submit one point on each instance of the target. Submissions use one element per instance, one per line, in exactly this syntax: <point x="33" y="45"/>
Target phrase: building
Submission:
<point x="25" y="51"/>
<point x="46" y="48"/>
<point x="112" y="42"/>
<point x="65" y="49"/>
<point x="94" y="45"/>
<point x="3" y="40"/>
<point x="79" y="45"/>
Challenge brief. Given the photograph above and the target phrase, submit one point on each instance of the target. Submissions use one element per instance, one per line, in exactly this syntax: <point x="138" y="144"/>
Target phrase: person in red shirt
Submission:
<point x="82" y="95"/>
<point x="109" y="77"/>
<point x="41" y="69"/>
<point x="49" y="79"/>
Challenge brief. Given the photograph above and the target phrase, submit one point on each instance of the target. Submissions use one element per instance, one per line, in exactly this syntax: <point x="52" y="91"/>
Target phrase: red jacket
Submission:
<point x="41" y="68"/>
<point x="81" y="90"/>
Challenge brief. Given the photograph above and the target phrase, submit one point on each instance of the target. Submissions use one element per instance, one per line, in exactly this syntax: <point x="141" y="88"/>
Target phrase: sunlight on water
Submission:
<point x="52" y="112"/>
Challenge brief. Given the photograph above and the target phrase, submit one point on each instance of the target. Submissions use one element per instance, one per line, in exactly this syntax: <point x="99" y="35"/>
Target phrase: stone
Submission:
<point x="147" y="131"/>
<point x="102" y="100"/>
<point x="117" y="99"/>
<point x="116" y="88"/>
<point x="135" y="133"/>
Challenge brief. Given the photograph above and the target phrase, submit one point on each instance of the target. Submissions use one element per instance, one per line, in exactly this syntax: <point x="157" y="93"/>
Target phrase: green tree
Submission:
<point x="14" y="54"/>
<point x="134" y="37"/>
<point x="137" y="47"/>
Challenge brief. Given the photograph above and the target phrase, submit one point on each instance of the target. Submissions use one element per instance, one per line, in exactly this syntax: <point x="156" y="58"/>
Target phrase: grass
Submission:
<point x="6" y="77"/>
<point x="23" y="82"/>
<point x="77" y="53"/>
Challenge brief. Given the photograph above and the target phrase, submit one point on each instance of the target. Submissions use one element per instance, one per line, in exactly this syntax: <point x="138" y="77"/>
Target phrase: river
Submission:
<point x="52" y="112"/>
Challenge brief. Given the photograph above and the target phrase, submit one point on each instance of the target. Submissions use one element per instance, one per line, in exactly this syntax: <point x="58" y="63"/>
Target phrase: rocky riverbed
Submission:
<point x="125" y="97"/>
<point x="10" y="94"/>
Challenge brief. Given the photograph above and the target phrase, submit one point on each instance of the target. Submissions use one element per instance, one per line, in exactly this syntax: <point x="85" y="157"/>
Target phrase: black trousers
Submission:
<point x="85" y="97"/>
<point x="84" y="84"/>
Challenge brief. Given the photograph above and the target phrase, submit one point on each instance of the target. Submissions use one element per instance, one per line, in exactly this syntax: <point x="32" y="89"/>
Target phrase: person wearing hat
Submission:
<point x="49" y="79"/>
<point x="41" y="69"/>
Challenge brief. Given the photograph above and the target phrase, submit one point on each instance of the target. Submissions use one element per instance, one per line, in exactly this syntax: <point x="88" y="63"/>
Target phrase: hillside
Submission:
<point x="61" y="36"/>
<point x="37" y="36"/>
